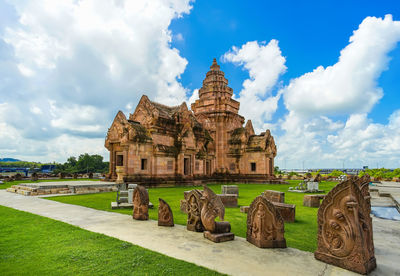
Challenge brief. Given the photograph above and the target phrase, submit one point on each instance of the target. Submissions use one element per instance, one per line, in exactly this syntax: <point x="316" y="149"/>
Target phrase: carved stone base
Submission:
<point x="222" y="237"/>
<point x="141" y="216"/>
<point x="193" y="228"/>
<point x="362" y="268"/>
<point x="169" y="224"/>
<point x="267" y="243"/>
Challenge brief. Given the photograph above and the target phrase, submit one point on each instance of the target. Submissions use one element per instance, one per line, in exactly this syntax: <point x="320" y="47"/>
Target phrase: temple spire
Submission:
<point x="214" y="66"/>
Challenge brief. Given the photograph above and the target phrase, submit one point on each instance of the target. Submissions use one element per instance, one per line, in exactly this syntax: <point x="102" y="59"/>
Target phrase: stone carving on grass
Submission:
<point x="165" y="217"/>
<point x="345" y="229"/>
<point x="140" y="203"/>
<point x="193" y="206"/>
<point x="212" y="207"/>
<point x="317" y="178"/>
<point x="265" y="226"/>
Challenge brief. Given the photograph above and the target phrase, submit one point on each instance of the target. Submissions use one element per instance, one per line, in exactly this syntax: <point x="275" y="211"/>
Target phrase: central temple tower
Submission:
<point x="218" y="112"/>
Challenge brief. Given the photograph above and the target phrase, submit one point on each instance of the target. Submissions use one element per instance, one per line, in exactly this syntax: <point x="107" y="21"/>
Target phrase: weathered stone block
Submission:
<point x="230" y="189"/>
<point x="274" y="196"/>
<point x="244" y="209"/>
<point x="132" y="186"/>
<point x="229" y="200"/>
<point x="219" y="237"/>
<point x="11" y="190"/>
<point x="287" y="211"/>
<point x="312" y="186"/>
<point x="130" y="195"/>
<point x="312" y="200"/>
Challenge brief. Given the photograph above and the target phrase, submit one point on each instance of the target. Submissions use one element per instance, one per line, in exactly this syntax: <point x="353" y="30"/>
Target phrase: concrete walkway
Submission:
<point x="390" y="190"/>
<point x="236" y="257"/>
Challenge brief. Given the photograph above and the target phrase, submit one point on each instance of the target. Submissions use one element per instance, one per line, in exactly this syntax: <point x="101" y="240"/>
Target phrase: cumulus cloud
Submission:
<point x="350" y="85"/>
<point x="265" y="65"/>
<point x="350" y="88"/>
<point x="67" y="67"/>
<point x="368" y="142"/>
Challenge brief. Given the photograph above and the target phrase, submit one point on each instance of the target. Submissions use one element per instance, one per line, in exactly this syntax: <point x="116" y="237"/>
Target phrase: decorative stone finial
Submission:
<point x="214" y="66"/>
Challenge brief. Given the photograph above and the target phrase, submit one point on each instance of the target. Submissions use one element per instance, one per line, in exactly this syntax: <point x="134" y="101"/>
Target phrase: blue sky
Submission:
<point x="310" y="33"/>
<point x="322" y="75"/>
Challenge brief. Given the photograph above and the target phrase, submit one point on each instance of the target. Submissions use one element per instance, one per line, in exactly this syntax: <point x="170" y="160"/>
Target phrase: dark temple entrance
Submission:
<point x="186" y="166"/>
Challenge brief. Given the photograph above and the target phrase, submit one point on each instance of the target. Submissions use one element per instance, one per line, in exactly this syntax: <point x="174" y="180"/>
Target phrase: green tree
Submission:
<point x="336" y="173"/>
<point x="90" y="163"/>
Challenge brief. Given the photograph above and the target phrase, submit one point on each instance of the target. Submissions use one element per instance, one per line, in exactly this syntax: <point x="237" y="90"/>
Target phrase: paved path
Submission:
<point x="236" y="257"/>
<point x="392" y="188"/>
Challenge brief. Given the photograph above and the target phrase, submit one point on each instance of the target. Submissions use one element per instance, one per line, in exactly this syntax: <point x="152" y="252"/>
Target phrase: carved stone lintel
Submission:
<point x="165" y="217"/>
<point x="345" y="229"/>
<point x="265" y="226"/>
<point x="193" y="206"/>
<point x="140" y="203"/>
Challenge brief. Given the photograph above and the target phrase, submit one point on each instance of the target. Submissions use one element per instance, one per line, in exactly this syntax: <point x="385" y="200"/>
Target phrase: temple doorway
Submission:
<point x="208" y="168"/>
<point x="186" y="166"/>
<point x="120" y="160"/>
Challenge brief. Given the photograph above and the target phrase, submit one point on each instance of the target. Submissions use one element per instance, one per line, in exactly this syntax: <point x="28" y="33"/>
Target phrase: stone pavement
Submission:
<point x="236" y="257"/>
<point x="388" y="190"/>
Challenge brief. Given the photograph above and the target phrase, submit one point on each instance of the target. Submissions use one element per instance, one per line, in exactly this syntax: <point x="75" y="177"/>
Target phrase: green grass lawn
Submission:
<point x="301" y="234"/>
<point x="35" y="245"/>
<point x="6" y="185"/>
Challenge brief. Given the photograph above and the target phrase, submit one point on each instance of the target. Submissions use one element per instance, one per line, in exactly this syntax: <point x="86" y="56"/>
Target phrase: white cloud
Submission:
<point x="369" y="142"/>
<point x="67" y="67"/>
<point x="349" y="87"/>
<point x="193" y="97"/>
<point x="265" y="65"/>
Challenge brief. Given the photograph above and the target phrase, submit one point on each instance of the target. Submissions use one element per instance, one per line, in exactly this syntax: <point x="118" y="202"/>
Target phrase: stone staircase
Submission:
<point x="123" y="197"/>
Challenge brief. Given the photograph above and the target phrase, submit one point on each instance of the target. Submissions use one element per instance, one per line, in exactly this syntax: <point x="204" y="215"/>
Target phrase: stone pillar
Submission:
<point x="272" y="165"/>
<point x="125" y="154"/>
<point x="113" y="175"/>
<point x="193" y="163"/>
<point x="221" y="142"/>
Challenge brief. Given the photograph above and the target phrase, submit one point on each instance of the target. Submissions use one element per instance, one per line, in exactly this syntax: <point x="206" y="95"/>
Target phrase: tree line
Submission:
<point x="85" y="163"/>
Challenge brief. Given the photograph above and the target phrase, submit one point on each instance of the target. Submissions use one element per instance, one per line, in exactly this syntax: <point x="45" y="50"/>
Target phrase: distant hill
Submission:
<point x="9" y="160"/>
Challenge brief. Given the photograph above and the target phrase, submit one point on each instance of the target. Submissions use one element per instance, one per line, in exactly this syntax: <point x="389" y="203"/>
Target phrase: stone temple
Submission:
<point x="160" y="144"/>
